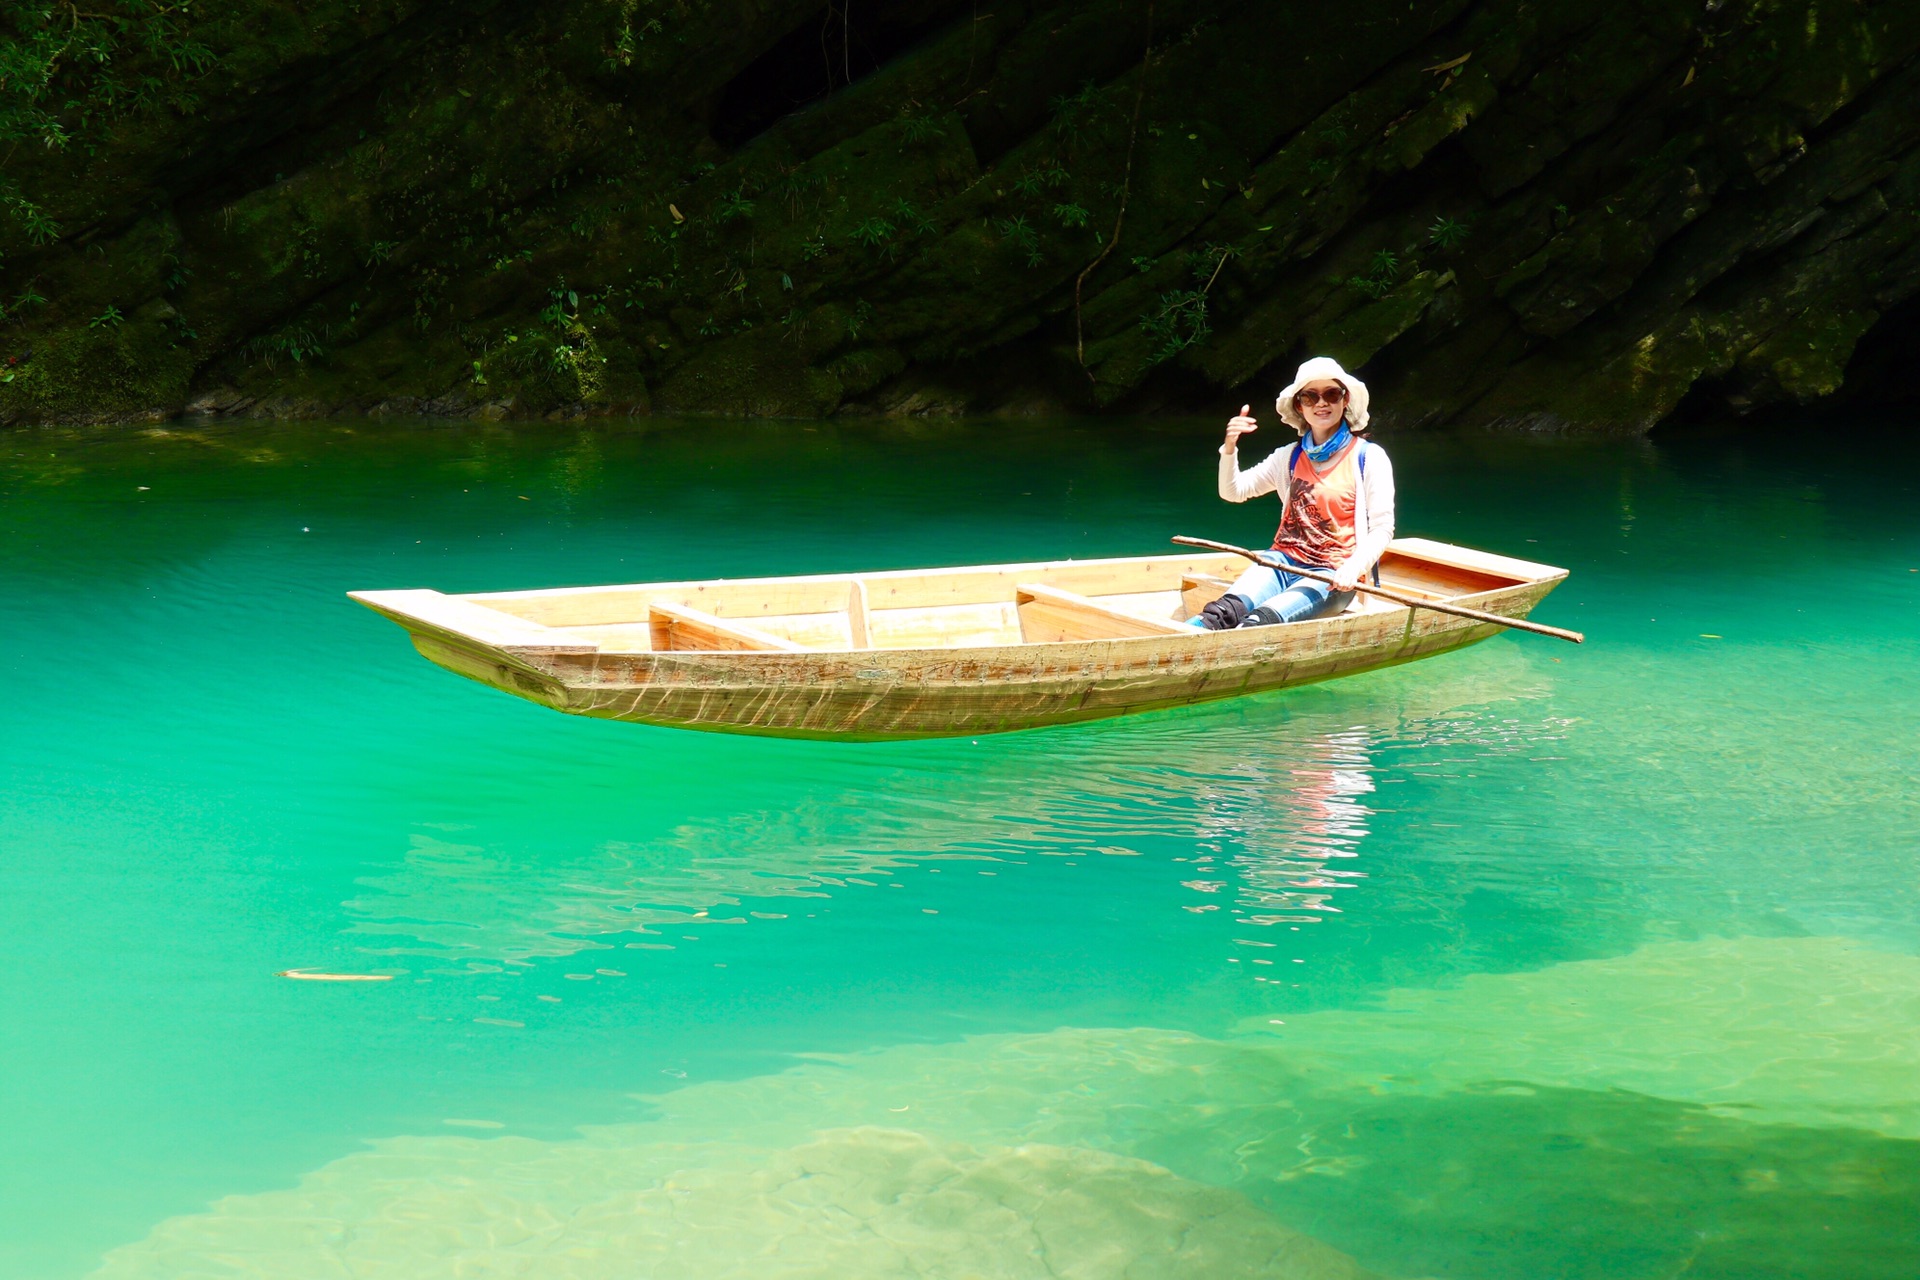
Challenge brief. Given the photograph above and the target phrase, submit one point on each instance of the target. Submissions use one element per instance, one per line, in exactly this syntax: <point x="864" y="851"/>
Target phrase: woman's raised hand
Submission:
<point x="1237" y="427"/>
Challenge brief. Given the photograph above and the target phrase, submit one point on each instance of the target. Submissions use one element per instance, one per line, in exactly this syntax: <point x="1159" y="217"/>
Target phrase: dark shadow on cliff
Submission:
<point x="1877" y="401"/>
<point x="1885" y="366"/>
<point x="834" y="47"/>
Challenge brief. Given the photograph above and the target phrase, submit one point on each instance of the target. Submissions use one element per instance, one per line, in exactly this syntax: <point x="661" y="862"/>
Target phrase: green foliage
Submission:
<point x="1204" y="263"/>
<point x="65" y="69"/>
<point x="873" y="232"/>
<point x="911" y="217"/>
<point x="1066" y="103"/>
<point x="1383" y="272"/>
<point x="1446" y="232"/>
<point x="33" y="220"/>
<point x="921" y="128"/>
<point x="735" y="205"/>
<point x="629" y="35"/>
<point x="1180" y="322"/>
<point x="1017" y="233"/>
<point x="795" y="185"/>
<point x="1073" y="114"/>
<point x="296" y="342"/>
<point x="1071" y="215"/>
<point x="108" y="319"/>
<point x="1034" y="181"/>
<point x="562" y="307"/>
<point x="27" y="300"/>
<point x="554" y="361"/>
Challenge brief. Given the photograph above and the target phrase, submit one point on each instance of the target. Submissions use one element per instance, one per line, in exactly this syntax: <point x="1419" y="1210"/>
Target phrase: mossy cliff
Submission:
<point x="1545" y="213"/>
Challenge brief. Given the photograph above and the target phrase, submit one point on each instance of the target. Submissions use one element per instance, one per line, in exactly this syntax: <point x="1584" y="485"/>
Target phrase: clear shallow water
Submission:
<point x="1529" y="960"/>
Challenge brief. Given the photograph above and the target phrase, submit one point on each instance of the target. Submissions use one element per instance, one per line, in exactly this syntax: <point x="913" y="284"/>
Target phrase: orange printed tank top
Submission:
<point x="1317" y="529"/>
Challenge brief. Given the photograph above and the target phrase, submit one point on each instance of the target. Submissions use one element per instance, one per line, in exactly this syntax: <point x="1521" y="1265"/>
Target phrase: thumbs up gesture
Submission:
<point x="1237" y="427"/>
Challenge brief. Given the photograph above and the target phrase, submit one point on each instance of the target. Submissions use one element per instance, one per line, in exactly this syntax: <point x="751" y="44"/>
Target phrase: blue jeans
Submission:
<point x="1294" y="598"/>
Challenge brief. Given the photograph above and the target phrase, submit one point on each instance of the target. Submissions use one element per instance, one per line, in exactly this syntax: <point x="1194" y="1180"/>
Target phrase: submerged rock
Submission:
<point x="1729" y="1107"/>
<point x="1539" y="215"/>
<point x="846" y="1205"/>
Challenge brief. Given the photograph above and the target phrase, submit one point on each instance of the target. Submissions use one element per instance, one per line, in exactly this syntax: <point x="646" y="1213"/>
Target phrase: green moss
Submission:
<point x="858" y="372"/>
<point x="1808" y="357"/>
<point x="130" y="370"/>
<point x="1360" y="334"/>
<point x="752" y="373"/>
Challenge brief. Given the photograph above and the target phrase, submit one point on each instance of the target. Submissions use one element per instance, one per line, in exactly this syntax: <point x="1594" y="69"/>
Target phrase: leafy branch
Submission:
<point x="63" y="69"/>
<point x="1183" y="320"/>
<point x="65" y="72"/>
<point x="1383" y="272"/>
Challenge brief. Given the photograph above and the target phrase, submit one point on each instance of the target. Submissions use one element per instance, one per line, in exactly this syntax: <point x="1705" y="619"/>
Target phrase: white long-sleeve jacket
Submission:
<point x="1372" y="500"/>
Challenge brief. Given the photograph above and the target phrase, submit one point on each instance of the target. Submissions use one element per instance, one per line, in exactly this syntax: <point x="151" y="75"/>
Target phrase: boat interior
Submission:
<point x="992" y="605"/>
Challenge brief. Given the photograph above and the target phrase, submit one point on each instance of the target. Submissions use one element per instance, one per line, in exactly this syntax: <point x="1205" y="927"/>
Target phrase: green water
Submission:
<point x="1525" y="961"/>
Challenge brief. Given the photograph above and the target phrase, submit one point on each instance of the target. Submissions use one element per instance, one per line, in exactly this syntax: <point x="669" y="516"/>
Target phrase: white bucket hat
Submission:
<point x="1313" y="371"/>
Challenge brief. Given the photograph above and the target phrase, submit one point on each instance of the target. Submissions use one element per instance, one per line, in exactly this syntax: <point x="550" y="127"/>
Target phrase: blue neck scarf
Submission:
<point x="1320" y="454"/>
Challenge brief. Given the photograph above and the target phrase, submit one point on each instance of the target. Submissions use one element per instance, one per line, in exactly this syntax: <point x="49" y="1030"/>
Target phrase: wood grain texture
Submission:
<point x="859" y="632"/>
<point x="1198" y="590"/>
<point x="955" y="686"/>
<point x="1048" y="616"/>
<point x="676" y="627"/>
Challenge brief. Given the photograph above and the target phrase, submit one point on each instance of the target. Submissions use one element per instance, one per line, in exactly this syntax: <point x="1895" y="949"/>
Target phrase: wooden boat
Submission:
<point x="925" y="653"/>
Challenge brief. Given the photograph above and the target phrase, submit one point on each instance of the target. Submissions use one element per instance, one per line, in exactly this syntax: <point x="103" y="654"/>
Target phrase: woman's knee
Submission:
<point x="1257" y="586"/>
<point x="1226" y="613"/>
<point x="1291" y="605"/>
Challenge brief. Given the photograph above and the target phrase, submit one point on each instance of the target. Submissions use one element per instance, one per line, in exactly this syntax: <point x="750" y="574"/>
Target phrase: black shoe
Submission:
<point x="1226" y="613"/>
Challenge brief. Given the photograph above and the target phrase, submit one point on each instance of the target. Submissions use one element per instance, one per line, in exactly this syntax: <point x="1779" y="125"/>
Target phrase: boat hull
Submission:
<point x="909" y="693"/>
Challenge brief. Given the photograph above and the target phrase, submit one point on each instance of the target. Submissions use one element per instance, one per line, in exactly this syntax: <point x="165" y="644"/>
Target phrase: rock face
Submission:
<point x="1538" y="213"/>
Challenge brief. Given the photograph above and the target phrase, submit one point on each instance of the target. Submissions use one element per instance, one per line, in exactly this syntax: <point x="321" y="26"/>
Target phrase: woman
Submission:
<point x="1336" y="502"/>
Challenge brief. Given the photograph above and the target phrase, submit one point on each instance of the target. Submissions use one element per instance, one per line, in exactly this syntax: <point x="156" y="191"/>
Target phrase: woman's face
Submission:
<point x="1322" y="403"/>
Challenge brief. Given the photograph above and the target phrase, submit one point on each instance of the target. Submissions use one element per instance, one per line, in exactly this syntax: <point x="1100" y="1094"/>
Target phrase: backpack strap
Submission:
<point x="1360" y="461"/>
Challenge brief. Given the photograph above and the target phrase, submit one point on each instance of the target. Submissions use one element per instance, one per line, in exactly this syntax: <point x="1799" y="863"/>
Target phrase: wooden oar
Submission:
<point x="1458" y="611"/>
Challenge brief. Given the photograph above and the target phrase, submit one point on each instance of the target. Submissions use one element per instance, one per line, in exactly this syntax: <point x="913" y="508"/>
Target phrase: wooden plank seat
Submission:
<point x="859" y="617"/>
<point x="1198" y="590"/>
<point x="1049" y="615"/>
<point x="677" y="627"/>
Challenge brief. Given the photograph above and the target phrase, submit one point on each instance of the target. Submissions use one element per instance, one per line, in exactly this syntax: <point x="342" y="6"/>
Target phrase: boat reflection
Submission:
<point x="1260" y="809"/>
<point x="1277" y="828"/>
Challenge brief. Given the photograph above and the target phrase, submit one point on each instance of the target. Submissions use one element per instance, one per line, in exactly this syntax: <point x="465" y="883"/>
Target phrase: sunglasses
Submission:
<point x="1310" y="397"/>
